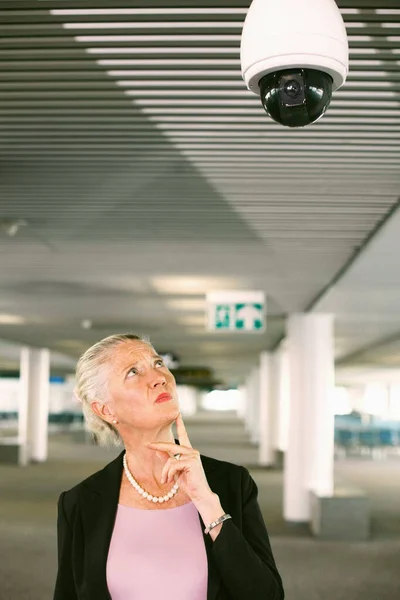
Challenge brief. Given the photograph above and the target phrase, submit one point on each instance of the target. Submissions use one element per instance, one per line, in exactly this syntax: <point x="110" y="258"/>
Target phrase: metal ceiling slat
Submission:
<point x="196" y="141"/>
<point x="158" y="78"/>
<point x="174" y="4"/>
<point x="126" y="126"/>
<point x="136" y="88"/>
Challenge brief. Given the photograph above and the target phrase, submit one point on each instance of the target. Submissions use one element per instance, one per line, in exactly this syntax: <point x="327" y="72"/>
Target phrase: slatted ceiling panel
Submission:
<point x="127" y="137"/>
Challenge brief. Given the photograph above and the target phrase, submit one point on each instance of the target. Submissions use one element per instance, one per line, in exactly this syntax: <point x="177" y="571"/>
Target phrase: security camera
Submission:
<point x="294" y="54"/>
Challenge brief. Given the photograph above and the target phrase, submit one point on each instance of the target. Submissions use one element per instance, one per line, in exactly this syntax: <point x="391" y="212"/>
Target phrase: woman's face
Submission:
<point x="137" y="382"/>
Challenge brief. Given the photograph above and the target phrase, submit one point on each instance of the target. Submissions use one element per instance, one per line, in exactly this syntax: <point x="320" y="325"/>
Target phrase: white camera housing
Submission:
<point x="285" y="34"/>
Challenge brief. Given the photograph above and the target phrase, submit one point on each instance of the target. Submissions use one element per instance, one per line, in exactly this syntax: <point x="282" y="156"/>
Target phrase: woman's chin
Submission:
<point x="174" y="413"/>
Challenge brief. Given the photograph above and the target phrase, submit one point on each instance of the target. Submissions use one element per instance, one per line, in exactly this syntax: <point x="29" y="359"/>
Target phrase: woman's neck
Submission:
<point x="146" y="464"/>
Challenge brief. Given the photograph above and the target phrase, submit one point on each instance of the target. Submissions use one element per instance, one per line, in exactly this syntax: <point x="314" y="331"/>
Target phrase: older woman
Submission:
<point x="159" y="521"/>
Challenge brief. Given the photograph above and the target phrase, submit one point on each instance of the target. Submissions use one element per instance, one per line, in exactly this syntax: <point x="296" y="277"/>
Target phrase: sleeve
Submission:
<point x="65" y="586"/>
<point x="244" y="559"/>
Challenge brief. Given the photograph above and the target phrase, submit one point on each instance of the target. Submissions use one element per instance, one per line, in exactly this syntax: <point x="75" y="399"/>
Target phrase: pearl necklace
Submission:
<point x="142" y="492"/>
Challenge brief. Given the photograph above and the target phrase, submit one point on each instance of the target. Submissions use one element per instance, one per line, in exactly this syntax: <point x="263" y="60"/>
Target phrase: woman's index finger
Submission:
<point x="182" y="433"/>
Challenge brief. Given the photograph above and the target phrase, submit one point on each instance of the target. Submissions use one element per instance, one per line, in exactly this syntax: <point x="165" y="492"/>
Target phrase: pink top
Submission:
<point x="157" y="554"/>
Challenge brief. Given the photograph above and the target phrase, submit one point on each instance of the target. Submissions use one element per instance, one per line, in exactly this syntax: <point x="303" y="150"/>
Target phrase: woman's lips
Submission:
<point x="163" y="398"/>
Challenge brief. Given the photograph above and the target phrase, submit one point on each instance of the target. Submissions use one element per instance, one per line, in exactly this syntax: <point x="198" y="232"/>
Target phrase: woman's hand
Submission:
<point x="189" y="469"/>
<point x="190" y="475"/>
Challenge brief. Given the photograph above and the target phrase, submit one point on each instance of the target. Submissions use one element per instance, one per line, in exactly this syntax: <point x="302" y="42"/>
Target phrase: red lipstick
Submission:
<point x="164" y="397"/>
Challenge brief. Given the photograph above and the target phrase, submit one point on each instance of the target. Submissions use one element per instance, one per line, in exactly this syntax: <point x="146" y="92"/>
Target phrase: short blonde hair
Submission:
<point x="91" y="384"/>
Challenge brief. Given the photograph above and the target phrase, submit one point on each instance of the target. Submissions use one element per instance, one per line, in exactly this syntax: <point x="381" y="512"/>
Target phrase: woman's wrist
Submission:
<point x="210" y="509"/>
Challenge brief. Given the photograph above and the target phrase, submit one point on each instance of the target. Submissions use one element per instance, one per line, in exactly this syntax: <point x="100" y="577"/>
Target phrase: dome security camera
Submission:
<point x="294" y="54"/>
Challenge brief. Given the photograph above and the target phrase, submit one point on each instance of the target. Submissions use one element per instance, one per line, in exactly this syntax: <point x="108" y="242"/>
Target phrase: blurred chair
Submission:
<point x="388" y="440"/>
<point x="369" y="443"/>
<point x="346" y="441"/>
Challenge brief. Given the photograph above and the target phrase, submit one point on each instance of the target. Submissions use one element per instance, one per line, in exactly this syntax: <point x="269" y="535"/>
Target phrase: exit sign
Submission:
<point x="240" y="312"/>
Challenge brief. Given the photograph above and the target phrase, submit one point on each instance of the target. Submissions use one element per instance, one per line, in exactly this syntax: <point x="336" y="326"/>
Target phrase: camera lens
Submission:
<point x="292" y="88"/>
<point x="296" y="97"/>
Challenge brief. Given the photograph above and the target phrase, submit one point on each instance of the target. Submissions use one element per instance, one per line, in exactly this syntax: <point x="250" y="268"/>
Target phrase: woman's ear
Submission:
<point x="102" y="410"/>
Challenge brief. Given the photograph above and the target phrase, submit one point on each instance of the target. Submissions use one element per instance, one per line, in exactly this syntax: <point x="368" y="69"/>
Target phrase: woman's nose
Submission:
<point x="158" y="379"/>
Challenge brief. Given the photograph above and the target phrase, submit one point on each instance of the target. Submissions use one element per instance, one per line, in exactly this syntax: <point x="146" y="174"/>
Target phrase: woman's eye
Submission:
<point x="132" y="371"/>
<point x="160" y="363"/>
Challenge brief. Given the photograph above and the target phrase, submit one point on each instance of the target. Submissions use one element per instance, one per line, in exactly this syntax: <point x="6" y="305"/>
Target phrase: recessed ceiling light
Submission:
<point x="191" y="285"/>
<point x="6" y="319"/>
<point x="192" y="320"/>
<point x="11" y="226"/>
<point x="187" y="304"/>
<point x="71" y="344"/>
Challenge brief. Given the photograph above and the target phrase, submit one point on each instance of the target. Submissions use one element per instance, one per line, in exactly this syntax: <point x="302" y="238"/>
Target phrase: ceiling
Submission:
<point x="145" y="174"/>
<point x="366" y="299"/>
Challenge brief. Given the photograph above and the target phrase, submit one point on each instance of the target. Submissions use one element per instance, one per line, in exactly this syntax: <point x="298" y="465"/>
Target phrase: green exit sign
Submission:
<point x="236" y="312"/>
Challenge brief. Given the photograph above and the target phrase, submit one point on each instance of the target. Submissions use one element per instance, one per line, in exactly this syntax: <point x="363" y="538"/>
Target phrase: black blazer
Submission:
<point x="240" y="561"/>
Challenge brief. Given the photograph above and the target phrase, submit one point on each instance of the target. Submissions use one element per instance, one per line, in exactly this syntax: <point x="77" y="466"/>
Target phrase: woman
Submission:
<point x="160" y="520"/>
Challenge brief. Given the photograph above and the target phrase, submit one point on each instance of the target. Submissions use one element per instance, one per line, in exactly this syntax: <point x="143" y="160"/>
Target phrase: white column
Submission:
<point x="249" y="405"/>
<point x="266" y="450"/>
<point x="310" y="452"/>
<point x="255" y="402"/>
<point x="252" y="405"/>
<point x="282" y="394"/>
<point x="34" y="402"/>
<point x="242" y="404"/>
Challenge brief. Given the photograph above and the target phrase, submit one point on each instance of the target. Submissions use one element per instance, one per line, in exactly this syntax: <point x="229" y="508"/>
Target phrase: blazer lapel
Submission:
<point x="214" y="578"/>
<point x="99" y="508"/>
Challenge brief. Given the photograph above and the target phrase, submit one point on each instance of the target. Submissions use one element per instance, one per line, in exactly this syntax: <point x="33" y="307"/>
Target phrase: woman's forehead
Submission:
<point x="133" y="350"/>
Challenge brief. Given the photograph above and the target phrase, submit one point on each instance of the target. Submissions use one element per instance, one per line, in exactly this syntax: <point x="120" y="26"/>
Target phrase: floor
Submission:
<point x="311" y="569"/>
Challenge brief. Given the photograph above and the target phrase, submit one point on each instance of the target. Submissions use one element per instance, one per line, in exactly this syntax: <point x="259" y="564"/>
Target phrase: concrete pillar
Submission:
<point x="248" y="406"/>
<point x="282" y="395"/>
<point x="310" y="451"/>
<point x="254" y="401"/>
<point x="252" y="405"/>
<point x="34" y="403"/>
<point x="242" y="404"/>
<point x="266" y="450"/>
